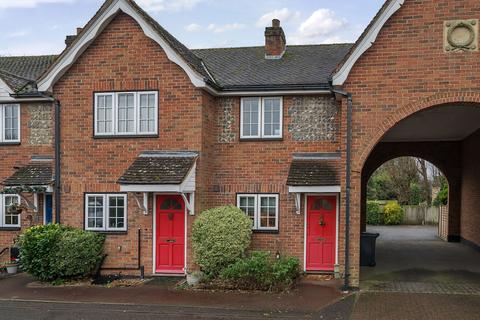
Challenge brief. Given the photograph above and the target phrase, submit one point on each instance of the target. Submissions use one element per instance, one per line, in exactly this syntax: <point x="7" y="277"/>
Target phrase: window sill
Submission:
<point x="10" y="143"/>
<point x="266" y="231"/>
<point x="131" y="136"/>
<point x="114" y="233"/>
<point x="10" y="228"/>
<point x="259" y="139"/>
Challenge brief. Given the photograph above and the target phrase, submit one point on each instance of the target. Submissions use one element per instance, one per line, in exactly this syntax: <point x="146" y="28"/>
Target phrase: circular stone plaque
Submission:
<point x="461" y="35"/>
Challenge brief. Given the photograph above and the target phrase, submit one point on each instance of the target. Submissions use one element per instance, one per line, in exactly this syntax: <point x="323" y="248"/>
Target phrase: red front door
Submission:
<point x="321" y="233"/>
<point x="170" y="234"/>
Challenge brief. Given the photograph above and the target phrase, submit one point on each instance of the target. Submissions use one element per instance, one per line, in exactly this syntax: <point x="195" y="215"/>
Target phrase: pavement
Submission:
<point x="417" y="277"/>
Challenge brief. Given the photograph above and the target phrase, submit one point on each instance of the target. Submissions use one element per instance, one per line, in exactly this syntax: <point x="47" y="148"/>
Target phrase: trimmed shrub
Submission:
<point x="260" y="271"/>
<point x="56" y="252"/>
<point x="374" y="213"/>
<point x="392" y="213"/>
<point x="220" y="237"/>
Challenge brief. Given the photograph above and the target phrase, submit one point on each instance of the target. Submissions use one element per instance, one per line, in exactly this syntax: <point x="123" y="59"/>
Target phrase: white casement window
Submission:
<point x="261" y="118"/>
<point x="261" y="208"/>
<point x="126" y="113"/>
<point x="106" y="212"/>
<point x="9" y="123"/>
<point x="8" y="219"/>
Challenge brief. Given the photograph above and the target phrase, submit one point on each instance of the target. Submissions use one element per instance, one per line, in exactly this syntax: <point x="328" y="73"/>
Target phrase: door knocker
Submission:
<point x="170" y="216"/>
<point x="322" y="222"/>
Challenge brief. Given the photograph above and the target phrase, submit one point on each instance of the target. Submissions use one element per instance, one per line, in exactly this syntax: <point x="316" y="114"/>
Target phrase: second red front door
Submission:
<point x="321" y="233"/>
<point x="170" y="234"/>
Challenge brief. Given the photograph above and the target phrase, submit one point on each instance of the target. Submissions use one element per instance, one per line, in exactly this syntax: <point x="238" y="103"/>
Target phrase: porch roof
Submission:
<point x="320" y="169"/>
<point x="159" y="168"/>
<point x="38" y="172"/>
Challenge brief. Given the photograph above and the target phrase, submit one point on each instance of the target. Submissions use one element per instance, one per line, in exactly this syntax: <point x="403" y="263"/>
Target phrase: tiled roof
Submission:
<point x="315" y="171"/>
<point x="306" y="65"/>
<point x="20" y="73"/>
<point x="36" y="173"/>
<point x="161" y="167"/>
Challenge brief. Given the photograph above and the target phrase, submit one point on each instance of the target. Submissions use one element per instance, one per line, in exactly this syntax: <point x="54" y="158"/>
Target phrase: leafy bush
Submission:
<point x="392" y="213"/>
<point x="220" y="237"/>
<point x="259" y="271"/>
<point x="374" y="213"/>
<point x="442" y="196"/>
<point x="56" y="252"/>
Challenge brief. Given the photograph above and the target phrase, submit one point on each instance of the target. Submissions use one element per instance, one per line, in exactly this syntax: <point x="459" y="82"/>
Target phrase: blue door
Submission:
<point x="48" y="209"/>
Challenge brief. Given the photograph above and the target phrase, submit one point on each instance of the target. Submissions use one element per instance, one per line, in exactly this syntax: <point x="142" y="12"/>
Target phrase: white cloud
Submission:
<point x="167" y="5"/>
<point x="322" y="26"/>
<point x="322" y="22"/>
<point x="7" y="4"/>
<point x="193" y="27"/>
<point x="18" y="34"/>
<point x="226" y="27"/>
<point x="212" y="27"/>
<point x="284" y="15"/>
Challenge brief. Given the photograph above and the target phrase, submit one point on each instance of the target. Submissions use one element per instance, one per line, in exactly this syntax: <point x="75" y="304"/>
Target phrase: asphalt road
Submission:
<point x="23" y="310"/>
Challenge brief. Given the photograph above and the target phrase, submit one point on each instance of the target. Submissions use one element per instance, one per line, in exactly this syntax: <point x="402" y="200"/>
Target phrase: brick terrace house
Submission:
<point x="130" y="133"/>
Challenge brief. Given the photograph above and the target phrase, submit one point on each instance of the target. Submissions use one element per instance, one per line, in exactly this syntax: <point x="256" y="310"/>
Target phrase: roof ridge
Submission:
<point x="291" y="45"/>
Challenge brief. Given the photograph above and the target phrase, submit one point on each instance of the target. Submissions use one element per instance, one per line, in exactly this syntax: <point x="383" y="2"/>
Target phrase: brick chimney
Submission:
<point x="275" y="42"/>
<point x="71" y="38"/>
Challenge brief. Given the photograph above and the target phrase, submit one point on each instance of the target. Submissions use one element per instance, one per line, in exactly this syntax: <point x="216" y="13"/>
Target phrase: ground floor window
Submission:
<point x="9" y="219"/>
<point x="106" y="212"/>
<point x="261" y="208"/>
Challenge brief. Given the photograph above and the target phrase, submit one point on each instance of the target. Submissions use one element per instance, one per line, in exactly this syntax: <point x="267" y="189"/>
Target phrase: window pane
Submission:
<point x="116" y="212"/>
<point x="126" y="113"/>
<point x="95" y="212"/>
<point x="268" y="212"/>
<point x="10" y="121"/>
<point x="11" y="219"/>
<point x="104" y="114"/>
<point x="247" y="205"/>
<point x="251" y="109"/>
<point x="271" y="117"/>
<point x="147" y="112"/>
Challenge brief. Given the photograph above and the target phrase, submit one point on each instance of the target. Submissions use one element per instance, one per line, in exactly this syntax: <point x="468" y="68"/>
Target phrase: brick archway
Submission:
<point x="369" y="141"/>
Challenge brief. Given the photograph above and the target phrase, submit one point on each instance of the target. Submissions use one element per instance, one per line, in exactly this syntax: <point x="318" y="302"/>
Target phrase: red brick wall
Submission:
<point x="406" y="70"/>
<point x="471" y="189"/>
<point x="17" y="156"/>
<point x="122" y="58"/>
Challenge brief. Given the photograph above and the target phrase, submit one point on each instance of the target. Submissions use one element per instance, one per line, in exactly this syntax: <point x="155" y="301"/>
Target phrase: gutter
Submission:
<point x="346" y="284"/>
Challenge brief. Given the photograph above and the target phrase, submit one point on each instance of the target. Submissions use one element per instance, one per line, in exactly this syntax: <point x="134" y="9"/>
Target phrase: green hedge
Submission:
<point x="56" y="252"/>
<point x="393" y="213"/>
<point x="260" y="271"/>
<point x="374" y="213"/>
<point x="220" y="237"/>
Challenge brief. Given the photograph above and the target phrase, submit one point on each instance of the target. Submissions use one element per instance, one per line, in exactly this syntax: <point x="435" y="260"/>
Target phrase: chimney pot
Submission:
<point x="79" y="30"/>
<point x="275" y="42"/>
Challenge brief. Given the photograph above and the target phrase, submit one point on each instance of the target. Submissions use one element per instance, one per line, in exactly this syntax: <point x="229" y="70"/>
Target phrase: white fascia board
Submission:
<point x="341" y="75"/>
<point x="174" y="188"/>
<point x="47" y="82"/>
<point x="314" y="189"/>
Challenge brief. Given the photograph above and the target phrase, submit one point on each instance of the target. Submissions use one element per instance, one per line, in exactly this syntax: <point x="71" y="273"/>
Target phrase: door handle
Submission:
<point x="171" y="241"/>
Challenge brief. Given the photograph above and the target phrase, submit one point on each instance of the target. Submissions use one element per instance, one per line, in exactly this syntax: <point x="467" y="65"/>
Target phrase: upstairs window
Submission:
<point x="261" y="118"/>
<point x="9" y="123"/>
<point x="261" y="208"/>
<point x="9" y="219"/>
<point x="126" y="113"/>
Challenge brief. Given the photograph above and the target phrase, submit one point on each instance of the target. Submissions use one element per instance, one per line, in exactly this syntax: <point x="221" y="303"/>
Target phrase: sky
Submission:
<point x="36" y="27"/>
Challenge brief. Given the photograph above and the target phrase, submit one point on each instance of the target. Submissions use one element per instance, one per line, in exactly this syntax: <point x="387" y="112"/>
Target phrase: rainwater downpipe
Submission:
<point x="57" y="161"/>
<point x="346" y="284"/>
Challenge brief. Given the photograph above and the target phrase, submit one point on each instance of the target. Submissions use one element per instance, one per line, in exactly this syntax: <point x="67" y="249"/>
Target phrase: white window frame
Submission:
<point x="3" y="213"/>
<point x="258" y="197"/>
<point x="2" y="123"/>
<point x="115" y="110"/>
<point x="106" y="211"/>
<point x="261" y="119"/>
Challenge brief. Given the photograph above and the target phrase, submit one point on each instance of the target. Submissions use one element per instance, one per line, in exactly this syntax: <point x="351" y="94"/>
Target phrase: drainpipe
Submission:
<point x="346" y="284"/>
<point x="57" y="161"/>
